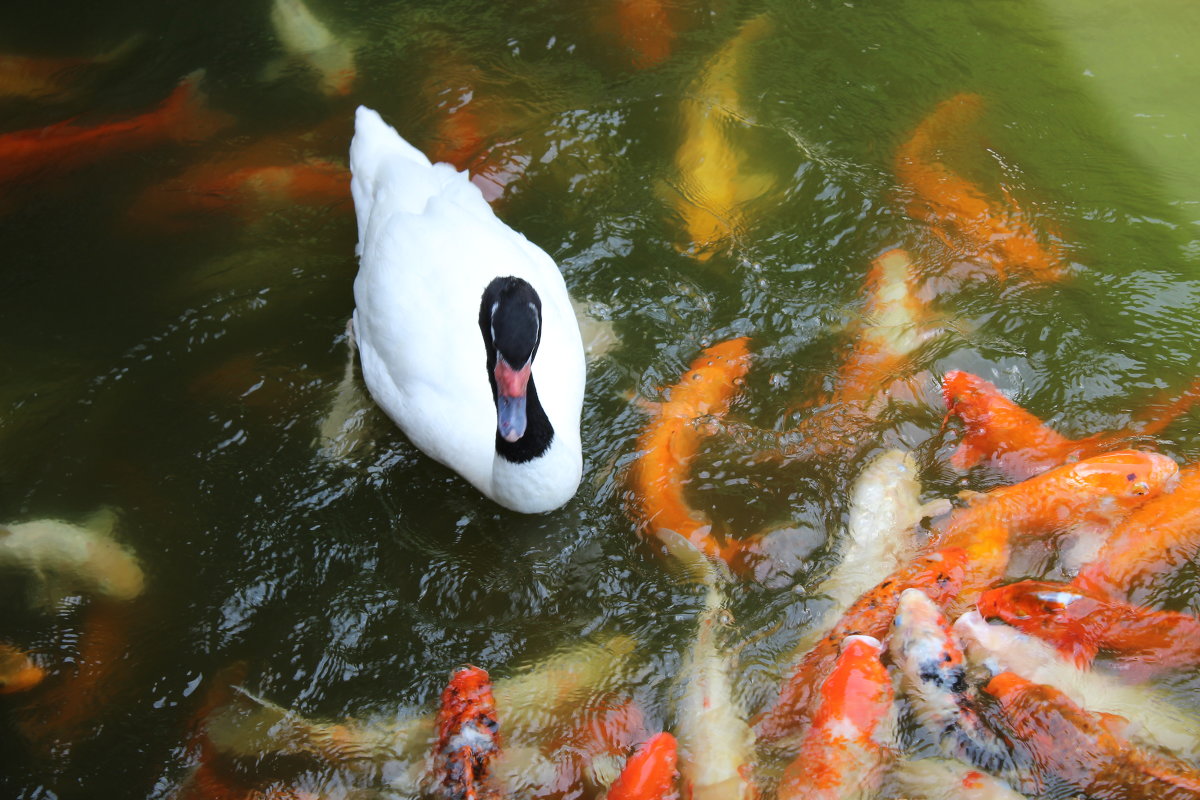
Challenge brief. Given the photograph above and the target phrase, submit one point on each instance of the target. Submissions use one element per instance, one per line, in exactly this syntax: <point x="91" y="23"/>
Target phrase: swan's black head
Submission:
<point x="510" y="319"/>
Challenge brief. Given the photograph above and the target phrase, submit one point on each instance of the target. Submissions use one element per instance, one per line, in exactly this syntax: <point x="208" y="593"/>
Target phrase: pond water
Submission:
<point x="174" y="366"/>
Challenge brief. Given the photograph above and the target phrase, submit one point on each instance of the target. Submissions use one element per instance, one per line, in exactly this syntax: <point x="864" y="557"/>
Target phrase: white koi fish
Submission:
<point x="946" y="779"/>
<point x="306" y="38"/>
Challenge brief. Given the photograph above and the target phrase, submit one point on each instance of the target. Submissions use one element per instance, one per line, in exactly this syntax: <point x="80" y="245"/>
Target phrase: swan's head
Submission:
<point x="510" y="318"/>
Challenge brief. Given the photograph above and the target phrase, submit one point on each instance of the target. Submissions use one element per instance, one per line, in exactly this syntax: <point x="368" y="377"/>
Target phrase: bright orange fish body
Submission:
<point x="968" y="222"/>
<point x="939" y="575"/>
<point x="1081" y="625"/>
<point x="1021" y="445"/>
<point x="650" y="772"/>
<point x="645" y="31"/>
<point x="1081" y="749"/>
<point x="18" y="672"/>
<point x="845" y="748"/>
<point x="1151" y="542"/>
<point x="67" y="145"/>
<point x="50" y="78"/>
<point x="468" y="735"/>
<point x="671" y="441"/>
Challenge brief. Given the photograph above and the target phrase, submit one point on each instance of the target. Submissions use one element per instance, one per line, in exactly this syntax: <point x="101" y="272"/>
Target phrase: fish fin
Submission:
<point x="102" y="521"/>
<point x="966" y="455"/>
<point x="188" y="116"/>
<point x="752" y="187"/>
<point x="696" y="566"/>
<point x="936" y="507"/>
<point x="122" y="50"/>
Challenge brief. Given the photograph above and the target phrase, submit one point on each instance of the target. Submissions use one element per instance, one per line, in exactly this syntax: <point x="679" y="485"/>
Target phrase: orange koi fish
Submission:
<point x="1020" y="444"/>
<point x="645" y="31"/>
<point x="650" y="772"/>
<point x="54" y="79"/>
<point x="672" y="439"/>
<point x="846" y="746"/>
<point x="589" y="752"/>
<point x="1082" y="750"/>
<point x="1081" y="625"/>
<point x="64" y="146"/>
<point x="958" y="210"/>
<point x="940" y="575"/>
<point x="18" y="672"/>
<point x="468" y="735"/>
<point x="1148" y="544"/>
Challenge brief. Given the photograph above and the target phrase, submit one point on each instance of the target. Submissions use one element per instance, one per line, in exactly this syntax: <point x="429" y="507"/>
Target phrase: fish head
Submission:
<point x="467" y="703"/>
<point x="1034" y="605"/>
<point x="1124" y="479"/>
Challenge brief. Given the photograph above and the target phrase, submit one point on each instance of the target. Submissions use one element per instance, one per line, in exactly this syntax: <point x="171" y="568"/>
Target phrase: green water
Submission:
<point x="179" y="377"/>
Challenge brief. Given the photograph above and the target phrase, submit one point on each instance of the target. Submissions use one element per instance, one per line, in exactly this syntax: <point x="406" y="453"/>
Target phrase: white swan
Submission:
<point x="465" y="332"/>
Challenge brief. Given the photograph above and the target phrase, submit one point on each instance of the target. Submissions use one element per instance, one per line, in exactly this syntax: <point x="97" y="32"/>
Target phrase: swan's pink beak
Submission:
<point x="510" y="398"/>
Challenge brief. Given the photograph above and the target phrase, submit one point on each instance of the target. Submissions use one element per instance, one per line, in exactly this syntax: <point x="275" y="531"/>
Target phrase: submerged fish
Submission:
<point x="650" y="772"/>
<point x="1081" y="625"/>
<point x="671" y="440"/>
<point x="957" y="209"/>
<point x="844" y="751"/>
<point x="1081" y="750"/>
<point x="18" y="672"/>
<point x="62" y="559"/>
<point x="308" y="39"/>
<point x="468" y="735"/>
<point x="52" y="78"/>
<point x="1154" y="719"/>
<point x="645" y="31"/>
<point x="1018" y="443"/>
<point x="946" y="779"/>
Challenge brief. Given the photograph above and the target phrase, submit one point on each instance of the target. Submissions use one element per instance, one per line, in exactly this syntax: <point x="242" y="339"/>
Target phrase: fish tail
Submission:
<point x="186" y="113"/>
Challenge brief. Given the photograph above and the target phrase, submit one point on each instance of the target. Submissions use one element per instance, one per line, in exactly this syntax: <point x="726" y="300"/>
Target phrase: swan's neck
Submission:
<point x="539" y="433"/>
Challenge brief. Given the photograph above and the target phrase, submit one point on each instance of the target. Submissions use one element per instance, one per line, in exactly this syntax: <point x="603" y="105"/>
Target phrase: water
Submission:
<point x="179" y="376"/>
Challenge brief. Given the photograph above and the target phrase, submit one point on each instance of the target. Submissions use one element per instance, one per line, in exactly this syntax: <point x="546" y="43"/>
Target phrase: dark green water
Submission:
<point x="179" y="377"/>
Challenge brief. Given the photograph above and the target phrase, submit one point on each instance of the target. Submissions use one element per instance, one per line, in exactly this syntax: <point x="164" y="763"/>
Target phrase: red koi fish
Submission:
<point x="54" y="79"/>
<point x="18" y="672"/>
<point x="939" y="575"/>
<point x="958" y="210"/>
<point x="1080" y="625"/>
<point x="650" y="772"/>
<point x="64" y="146"/>
<point x="645" y="31"/>
<point x="1021" y="445"/>
<point x="1082" y="749"/>
<point x="1150" y="543"/>
<point x="1101" y="489"/>
<point x="468" y="735"/>
<point x="670" y="442"/>
<point x="845" y="748"/>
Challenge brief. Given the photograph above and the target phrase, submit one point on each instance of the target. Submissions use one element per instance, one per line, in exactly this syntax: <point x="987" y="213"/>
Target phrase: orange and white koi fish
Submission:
<point x="1081" y="749"/>
<point x="468" y="735"/>
<point x="1148" y="545"/>
<point x="645" y="31"/>
<point x="182" y="116"/>
<point x="712" y="184"/>
<point x="885" y="509"/>
<point x="55" y="79"/>
<point x="671" y="441"/>
<point x="1082" y="625"/>
<point x="844" y="751"/>
<point x="63" y="559"/>
<point x="716" y="746"/>
<point x="1098" y="490"/>
<point x="933" y="676"/>
<point x="946" y="779"/>
<point x="1154" y="719"/>
<point x="18" y="672"/>
<point x="1019" y="444"/>
<point x="940" y="575"/>
<point x="650" y="772"/>
<point x="308" y="39"/>
<point x="957" y="209"/>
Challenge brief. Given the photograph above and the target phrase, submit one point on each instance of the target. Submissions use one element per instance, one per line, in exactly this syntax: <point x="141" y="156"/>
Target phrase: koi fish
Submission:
<point x="1154" y="718"/>
<point x="1081" y="625"/>
<point x="933" y="675"/>
<point x="885" y="508"/>
<point x="55" y="79"/>
<point x="940" y="575"/>
<point x="645" y="31"/>
<point x="1081" y="750"/>
<point x="945" y="779"/>
<point x="716" y="745"/>
<point x="307" y="39"/>
<point x="957" y="209"/>
<point x="63" y="559"/>
<point x="672" y="439"/>
<point x="18" y="672"/>
<point x="468" y="735"/>
<point x="1018" y="443"/>
<point x="846" y="747"/>
<point x="1150" y="543"/>
<point x="650" y="772"/>
<point x="712" y="185"/>
<point x="63" y="146"/>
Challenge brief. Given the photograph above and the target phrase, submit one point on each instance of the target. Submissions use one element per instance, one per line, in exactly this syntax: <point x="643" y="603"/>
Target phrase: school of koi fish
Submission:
<point x="945" y="666"/>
